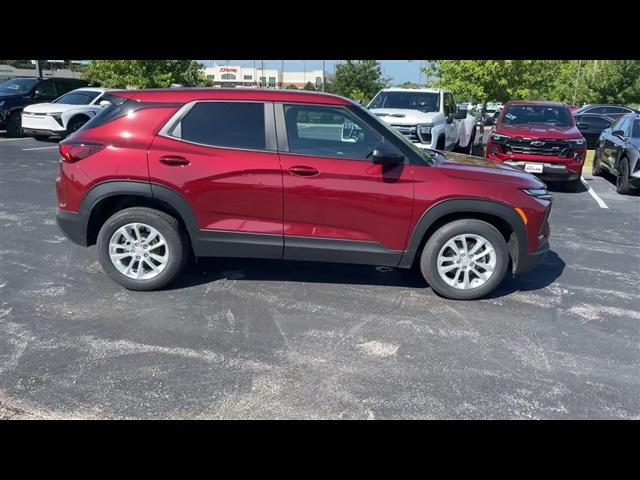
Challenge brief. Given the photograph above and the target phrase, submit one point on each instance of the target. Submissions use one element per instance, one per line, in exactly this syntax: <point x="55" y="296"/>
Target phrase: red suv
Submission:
<point x="163" y="175"/>
<point x="541" y="138"/>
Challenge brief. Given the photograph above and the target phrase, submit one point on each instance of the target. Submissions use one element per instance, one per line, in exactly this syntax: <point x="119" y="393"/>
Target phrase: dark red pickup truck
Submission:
<point x="541" y="138"/>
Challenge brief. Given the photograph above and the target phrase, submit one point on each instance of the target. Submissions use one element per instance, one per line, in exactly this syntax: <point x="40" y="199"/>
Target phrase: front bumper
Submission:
<point x="73" y="226"/>
<point x="552" y="172"/>
<point x="529" y="261"/>
<point x="36" y="132"/>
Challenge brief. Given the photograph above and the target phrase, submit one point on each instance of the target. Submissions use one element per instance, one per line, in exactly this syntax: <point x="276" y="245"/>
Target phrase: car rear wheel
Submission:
<point x="622" y="179"/>
<point x="14" y="125"/>
<point x="596" y="168"/>
<point x="465" y="259"/>
<point x="142" y="248"/>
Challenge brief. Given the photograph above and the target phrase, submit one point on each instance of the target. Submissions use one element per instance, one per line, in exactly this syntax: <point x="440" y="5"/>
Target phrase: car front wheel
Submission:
<point x="465" y="259"/>
<point x="622" y="179"/>
<point x="142" y="248"/>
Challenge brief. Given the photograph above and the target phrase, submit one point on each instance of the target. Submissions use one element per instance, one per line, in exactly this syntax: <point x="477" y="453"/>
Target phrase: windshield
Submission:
<point x="423" y="101"/>
<point x="537" y="114"/>
<point x="422" y="153"/>
<point x="635" y="133"/>
<point x="77" y="97"/>
<point x="17" y="86"/>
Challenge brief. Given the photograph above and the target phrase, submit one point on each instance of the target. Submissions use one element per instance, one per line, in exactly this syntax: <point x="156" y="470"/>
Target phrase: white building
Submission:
<point x="238" y="76"/>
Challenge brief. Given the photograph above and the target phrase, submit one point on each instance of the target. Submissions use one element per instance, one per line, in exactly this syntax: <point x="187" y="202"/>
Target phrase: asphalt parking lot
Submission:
<point x="238" y="338"/>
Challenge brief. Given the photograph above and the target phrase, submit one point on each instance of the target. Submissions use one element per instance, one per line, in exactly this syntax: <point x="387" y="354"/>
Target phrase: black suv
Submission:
<point x="17" y="93"/>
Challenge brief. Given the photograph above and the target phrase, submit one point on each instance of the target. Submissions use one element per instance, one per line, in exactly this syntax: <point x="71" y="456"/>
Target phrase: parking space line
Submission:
<point x="38" y="148"/>
<point x="595" y="196"/>
<point x="14" y="139"/>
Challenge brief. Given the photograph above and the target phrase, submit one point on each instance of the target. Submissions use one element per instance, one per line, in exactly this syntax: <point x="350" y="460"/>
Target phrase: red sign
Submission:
<point x="227" y="69"/>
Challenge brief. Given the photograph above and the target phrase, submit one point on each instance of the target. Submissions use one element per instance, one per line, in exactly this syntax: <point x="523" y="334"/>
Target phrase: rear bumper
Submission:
<point x="73" y="226"/>
<point x="529" y="261"/>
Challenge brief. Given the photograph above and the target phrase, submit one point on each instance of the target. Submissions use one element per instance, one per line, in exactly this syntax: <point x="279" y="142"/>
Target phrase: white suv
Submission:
<point x="65" y="114"/>
<point x="426" y="116"/>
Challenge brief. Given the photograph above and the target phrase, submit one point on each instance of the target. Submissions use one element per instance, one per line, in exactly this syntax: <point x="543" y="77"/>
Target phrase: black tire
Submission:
<point x="169" y="228"/>
<point x="14" y="125"/>
<point x="469" y="148"/>
<point x="622" y="179"/>
<point x="596" y="168"/>
<point x="429" y="258"/>
<point x="573" y="186"/>
<point x="76" y="123"/>
<point x="440" y="144"/>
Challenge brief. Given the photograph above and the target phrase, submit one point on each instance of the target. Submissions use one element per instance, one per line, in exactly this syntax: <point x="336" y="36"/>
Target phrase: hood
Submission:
<point x="539" y="131"/>
<point x="50" y="107"/>
<point x="402" y="116"/>
<point x="467" y="167"/>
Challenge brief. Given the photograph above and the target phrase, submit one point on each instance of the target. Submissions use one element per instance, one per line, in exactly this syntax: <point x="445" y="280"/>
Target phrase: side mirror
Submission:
<point x="104" y="103"/>
<point x="618" y="133"/>
<point x="450" y="118"/>
<point x="38" y="94"/>
<point x="385" y="155"/>
<point x="460" y="115"/>
<point x="583" y="126"/>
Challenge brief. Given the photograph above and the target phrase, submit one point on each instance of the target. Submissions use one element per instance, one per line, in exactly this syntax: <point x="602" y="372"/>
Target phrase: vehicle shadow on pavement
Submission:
<point x="540" y="277"/>
<point x="559" y="187"/>
<point x="208" y="270"/>
<point x="213" y="269"/>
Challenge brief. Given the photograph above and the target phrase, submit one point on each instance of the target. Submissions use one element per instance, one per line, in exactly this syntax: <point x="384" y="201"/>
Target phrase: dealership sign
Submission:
<point x="228" y="69"/>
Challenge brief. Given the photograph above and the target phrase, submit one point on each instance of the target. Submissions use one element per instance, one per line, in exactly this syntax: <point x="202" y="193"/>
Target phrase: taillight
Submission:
<point x="72" y="152"/>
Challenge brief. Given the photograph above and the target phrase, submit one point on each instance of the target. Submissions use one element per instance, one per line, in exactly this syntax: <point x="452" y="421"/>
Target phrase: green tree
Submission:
<point x="291" y="87"/>
<point x="358" y="77"/>
<point x="409" y="85"/>
<point x="493" y="80"/>
<point x="309" y="86"/>
<point x="145" y="73"/>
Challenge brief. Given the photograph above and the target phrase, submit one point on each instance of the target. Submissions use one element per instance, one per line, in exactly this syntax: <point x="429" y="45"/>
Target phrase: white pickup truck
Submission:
<point x="426" y="116"/>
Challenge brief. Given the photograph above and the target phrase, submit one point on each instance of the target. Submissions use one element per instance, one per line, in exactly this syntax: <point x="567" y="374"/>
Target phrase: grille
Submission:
<point x="555" y="148"/>
<point x="409" y="131"/>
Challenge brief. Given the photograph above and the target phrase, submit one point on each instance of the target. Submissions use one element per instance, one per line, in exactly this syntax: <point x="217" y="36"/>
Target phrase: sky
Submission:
<point x="399" y="71"/>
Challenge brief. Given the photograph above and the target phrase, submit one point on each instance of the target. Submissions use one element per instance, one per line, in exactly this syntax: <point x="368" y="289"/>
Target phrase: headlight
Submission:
<point x="426" y="128"/>
<point x="540" y="193"/>
<point x="54" y="114"/>
<point x="577" y="143"/>
<point x="496" y="137"/>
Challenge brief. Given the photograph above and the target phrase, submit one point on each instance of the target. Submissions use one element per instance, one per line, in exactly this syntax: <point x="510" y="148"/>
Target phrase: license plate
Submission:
<point x="533" y="167"/>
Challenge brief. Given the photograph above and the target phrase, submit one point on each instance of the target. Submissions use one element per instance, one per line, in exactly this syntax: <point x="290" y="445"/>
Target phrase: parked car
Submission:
<point x="65" y="114"/>
<point x="491" y="113"/>
<point x="427" y="117"/>
<point x="591" y="126"/>
<point x="617" y="153"/>
<point x="289" y="175"/>
<point x="541" y="138"/>
<point x="17" y="93"/>
<point x="611" y="111"/>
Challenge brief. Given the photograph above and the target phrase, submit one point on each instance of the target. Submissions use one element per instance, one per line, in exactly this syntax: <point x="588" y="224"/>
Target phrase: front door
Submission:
<point x="338" y="204"/>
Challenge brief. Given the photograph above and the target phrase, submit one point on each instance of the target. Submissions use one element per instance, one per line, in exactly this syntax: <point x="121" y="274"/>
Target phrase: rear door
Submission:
<point x="613" y="144"/>
<point x="221" y="157"/>
<point x="338" y="204"/>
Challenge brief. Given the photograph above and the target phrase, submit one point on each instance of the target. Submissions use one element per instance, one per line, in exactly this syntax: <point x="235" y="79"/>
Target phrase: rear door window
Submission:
<point x="225" y="124"/>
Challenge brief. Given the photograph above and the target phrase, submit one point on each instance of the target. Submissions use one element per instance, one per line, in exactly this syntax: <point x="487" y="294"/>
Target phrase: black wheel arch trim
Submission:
<point x="113" y="188"/>
<point x="471" y="205"/>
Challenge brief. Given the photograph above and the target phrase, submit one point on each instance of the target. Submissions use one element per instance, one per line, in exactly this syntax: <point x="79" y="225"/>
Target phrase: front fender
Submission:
<point x="438" y="211"/>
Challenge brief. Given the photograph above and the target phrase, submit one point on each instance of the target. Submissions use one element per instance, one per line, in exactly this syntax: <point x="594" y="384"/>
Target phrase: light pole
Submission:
<point x="323" y="75"/>
<point x="282" y="75"/>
